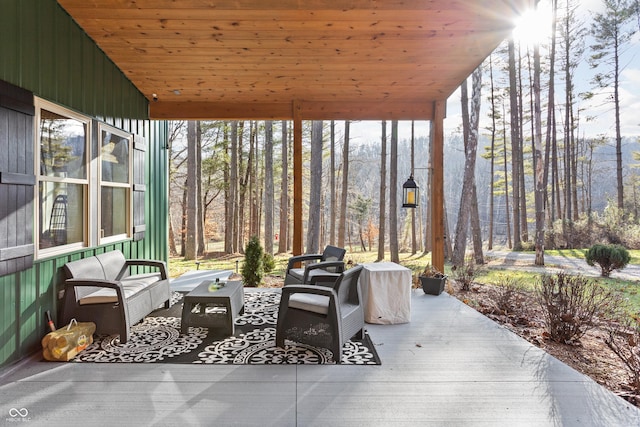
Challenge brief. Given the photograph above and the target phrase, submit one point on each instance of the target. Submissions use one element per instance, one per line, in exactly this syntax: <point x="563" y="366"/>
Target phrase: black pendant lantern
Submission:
<point x="410" y="193"/>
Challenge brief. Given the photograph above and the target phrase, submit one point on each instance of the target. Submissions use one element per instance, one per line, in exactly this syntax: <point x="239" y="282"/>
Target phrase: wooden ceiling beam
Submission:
<point x="284" y="111"/>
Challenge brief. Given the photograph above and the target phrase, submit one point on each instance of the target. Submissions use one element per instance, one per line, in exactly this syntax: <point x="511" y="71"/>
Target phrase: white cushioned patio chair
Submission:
<point x="326" y="314"/>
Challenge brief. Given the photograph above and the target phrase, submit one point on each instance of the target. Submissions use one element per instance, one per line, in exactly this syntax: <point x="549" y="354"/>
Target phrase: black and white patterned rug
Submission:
<point x="157" y="339"/>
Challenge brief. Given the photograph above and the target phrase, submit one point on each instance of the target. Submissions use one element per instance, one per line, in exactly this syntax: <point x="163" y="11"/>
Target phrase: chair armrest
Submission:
<point x="300" y="258"/>
<point x="150" y="263"/>
<point x="325" y="279"/>
<point x="323" y="265"/>
<point x="97" y="283"/>
<point x="308" y="289"/>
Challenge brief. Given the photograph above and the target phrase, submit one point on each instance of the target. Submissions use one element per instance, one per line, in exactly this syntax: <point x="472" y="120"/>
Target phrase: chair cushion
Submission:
<point x="298" y="273"/>
<point x="131" y="285"/>
<point x="310" y="302"/>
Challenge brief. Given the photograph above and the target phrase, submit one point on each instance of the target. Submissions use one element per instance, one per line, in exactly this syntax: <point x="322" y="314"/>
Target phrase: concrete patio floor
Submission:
<point x="449" y="366"/>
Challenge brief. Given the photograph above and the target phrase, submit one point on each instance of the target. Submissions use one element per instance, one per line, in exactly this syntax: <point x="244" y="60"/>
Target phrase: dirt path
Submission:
<point x="555" y="264"/>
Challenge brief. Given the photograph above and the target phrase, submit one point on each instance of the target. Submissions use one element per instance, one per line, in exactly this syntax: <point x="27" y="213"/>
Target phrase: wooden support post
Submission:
<point x="297" y="178"/>
<point x="437" y="185"/>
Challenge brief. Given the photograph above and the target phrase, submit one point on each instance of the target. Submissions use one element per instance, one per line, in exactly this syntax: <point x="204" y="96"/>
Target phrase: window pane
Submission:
<point x="62" y="146"/>
<point x="114" y="213"/>
<point x="61" y="214"/>
<point x="115" y="157"/>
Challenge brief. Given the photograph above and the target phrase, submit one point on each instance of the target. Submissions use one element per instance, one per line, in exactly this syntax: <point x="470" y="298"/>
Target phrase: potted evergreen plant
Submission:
<point x="432" y="280"/>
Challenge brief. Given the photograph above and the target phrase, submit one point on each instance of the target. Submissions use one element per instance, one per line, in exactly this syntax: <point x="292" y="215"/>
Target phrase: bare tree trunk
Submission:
<point x="253" y="181"/>
<point x="476" y="99"/>
<point x="345" y="187"/>
<point x="173" y="251"/>
<point x="551" y="112"/>
<point x="242" y="205"/>
<point x="183" y="223"/>
<point x="201" y="207"/>
<point x="315" y="188"/>
<point x="234" y="211"/>
<point x="427" y="195"/>
<point x="229" y="210"/>
<point x="574" y="164"/>
<point x="284" y="193"/>
<point x="524" y="231"/>
<point x="538" y="160"/>
<point x="268" y="187"/>
<point x="383" y="191"/>
<point x="414" y="242"/>
<point x="515" y="145"/>
<point x="568" y="205"/>
<point x="506" y="178"/>
<point x="192" y="193"/>
<point x="175" y="129"/>
<point x="555" y="185"/>
<point x="476" y="229"/>
<point x="492" y="153"/>
<point x="332" y="177"/>
<point x="462" y="226"/>
<point x="290" y="137"/>
<point x="448" y="248"/>
<point x="393" y="197"/>
<point x="466" y="200"/>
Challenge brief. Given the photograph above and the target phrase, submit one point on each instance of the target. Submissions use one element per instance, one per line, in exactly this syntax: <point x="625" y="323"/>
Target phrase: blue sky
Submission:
<point x="602" y="113"/>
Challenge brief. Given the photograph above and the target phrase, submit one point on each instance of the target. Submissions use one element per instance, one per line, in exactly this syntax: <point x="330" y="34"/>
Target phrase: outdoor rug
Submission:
<point x="157" y="339"/>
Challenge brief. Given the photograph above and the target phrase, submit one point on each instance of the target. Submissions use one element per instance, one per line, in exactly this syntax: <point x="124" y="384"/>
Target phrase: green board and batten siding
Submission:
<point x="44" y="51"/>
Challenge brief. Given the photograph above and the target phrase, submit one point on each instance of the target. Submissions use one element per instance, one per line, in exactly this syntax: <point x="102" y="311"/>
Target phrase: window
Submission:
<point x="85" y="181"/>
<point x="62" y="179"/>
<point x="115" y="183"/>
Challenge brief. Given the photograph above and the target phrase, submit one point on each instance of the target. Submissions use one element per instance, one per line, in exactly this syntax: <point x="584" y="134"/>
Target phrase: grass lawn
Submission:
<point x="416" y="263"/>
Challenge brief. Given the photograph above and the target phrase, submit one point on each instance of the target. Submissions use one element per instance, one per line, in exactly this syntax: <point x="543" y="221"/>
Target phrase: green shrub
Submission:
<point x="269" y="262"/>
<point x="253" y="267"/>
<point x="608" y="257"/>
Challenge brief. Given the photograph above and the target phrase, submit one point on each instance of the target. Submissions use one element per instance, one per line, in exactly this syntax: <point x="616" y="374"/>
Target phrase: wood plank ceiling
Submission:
<point x="243" y="59"/>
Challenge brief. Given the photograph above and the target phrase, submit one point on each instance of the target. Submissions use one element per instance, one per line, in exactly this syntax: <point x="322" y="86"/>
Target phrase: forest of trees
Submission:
<point x="527" y="178"/>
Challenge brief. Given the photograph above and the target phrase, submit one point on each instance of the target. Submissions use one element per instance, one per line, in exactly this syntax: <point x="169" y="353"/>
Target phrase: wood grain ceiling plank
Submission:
<point x="312" y="48"/>
<point x="302" y="35"/>
<point x="435" y="64"/>
<point x="195" y="55"/>
<point x="284" y="17"/>
<point x="407" y="22"/>
<point x="461" y="5"/>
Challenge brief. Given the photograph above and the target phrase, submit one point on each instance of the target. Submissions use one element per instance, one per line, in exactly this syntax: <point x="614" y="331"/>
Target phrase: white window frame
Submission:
<point x="92" y="183"/>
<point x="103" y="127"/>
<point x="40" y="105"/>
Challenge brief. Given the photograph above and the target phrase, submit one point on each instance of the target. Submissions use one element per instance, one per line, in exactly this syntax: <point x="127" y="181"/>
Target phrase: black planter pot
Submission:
<point x="433" y="285"/>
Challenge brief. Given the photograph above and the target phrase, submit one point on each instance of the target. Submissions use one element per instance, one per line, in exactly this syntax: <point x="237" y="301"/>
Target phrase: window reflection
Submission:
<point x="115" y="204"/>
<point x="62" y="186"/>
<point x="115" y="158"/>
<point x="61" y="214"/>
<point x="62" y="146"/>
<point x="115" y="185"/>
